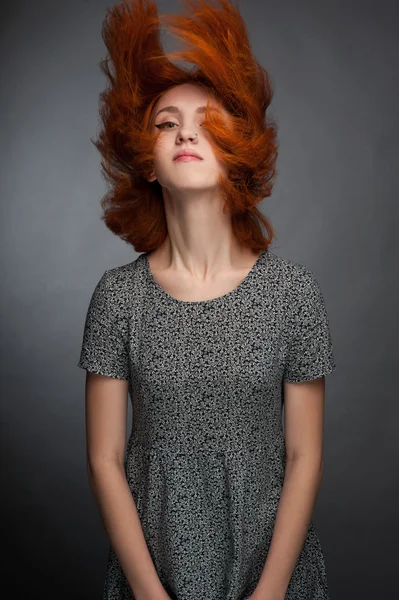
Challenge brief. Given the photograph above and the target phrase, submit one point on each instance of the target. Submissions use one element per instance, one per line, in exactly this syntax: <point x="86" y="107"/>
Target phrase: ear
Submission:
<point x="151" y="177"/>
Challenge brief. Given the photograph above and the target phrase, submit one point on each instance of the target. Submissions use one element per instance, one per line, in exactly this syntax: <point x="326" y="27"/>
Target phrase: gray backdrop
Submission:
<point x="335" y="69"/>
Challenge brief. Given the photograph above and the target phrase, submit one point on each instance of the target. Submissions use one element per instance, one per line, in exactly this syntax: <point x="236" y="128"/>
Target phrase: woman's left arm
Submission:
<point x="303" y="423"/>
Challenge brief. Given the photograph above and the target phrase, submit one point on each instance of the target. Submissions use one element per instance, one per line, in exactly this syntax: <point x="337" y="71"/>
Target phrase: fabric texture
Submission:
<point x="205" y="458"/>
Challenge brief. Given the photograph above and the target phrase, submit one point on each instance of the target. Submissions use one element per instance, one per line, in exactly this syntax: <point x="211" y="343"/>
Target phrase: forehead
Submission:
<point x="187" y="97"/>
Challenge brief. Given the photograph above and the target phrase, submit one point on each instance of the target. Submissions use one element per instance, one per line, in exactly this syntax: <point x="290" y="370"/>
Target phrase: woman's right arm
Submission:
<point x="106" y="415"/>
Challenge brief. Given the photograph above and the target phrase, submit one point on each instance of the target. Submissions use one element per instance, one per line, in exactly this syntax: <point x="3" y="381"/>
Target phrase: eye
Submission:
<point x="162" y="125"/>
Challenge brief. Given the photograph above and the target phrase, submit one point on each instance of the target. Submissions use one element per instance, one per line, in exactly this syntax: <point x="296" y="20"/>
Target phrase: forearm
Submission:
<point x="122" y="523"/>
<point x="298" y="497"/>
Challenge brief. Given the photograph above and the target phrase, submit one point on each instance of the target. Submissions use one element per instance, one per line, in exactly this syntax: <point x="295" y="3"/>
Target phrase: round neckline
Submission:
<point x="218" y="299"/>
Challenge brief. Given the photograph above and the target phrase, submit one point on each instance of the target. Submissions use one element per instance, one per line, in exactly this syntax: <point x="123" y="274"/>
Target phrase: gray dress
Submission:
<point x="206" y="456"/>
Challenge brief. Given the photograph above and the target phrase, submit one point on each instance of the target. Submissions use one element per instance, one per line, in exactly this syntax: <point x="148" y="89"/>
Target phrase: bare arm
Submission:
<point x="304" y="417"/>
<point x="106" y="413"/>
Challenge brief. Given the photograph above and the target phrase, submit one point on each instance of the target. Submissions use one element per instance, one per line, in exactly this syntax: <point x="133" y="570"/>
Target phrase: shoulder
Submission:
<point x="118" y="280"/>
<point x="301" y="294"/>
<point x="295" y="279"/>
<point x="114" y="291"/>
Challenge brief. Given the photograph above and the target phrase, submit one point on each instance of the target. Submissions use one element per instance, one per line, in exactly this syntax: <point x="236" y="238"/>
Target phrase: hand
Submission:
<point x="162" y="595"/>
<point x="256" y="595"/>
<point x="269" y="597"/>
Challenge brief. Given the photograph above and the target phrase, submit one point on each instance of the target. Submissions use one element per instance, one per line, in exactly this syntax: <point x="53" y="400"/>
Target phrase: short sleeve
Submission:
<point x="104" y="349"/>
<point x="310" y="352"/>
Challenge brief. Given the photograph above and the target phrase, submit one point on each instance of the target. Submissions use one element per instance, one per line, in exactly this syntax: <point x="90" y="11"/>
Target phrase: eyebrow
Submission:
<point x="174" y="109"/>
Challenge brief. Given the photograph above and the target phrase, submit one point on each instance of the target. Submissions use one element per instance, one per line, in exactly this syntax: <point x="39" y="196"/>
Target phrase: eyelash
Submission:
<point x="161" y="125"/>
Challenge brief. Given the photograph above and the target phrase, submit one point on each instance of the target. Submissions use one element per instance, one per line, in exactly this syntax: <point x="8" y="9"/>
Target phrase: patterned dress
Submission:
<point x="205" y="459"/>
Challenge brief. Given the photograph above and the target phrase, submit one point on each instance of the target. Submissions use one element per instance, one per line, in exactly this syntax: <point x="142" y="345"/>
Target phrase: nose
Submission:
<point x="189" y="136"/>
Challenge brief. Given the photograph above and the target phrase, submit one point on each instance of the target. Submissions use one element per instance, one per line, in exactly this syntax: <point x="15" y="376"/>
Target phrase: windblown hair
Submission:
<point x="216" y="42"/>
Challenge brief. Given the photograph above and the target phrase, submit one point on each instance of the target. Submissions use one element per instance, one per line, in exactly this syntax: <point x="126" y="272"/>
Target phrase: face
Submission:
<point x="178" y="116"/>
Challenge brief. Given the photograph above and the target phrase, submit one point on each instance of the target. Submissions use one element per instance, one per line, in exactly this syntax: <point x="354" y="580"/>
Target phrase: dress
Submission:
<point x="206" y="456"/>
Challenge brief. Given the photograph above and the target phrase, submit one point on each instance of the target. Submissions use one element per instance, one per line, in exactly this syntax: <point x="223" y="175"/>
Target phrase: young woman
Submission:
<point x="208" y="331"/>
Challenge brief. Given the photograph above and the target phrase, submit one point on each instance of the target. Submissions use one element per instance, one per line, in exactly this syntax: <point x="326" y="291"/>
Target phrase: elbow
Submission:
<point x="89" y="469"/>
<point x="314" y="463"/>
<point x="96" y="467"/>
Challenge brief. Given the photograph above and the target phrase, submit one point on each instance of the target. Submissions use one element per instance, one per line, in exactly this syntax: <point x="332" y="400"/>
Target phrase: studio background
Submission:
<point x="334" y="66"/>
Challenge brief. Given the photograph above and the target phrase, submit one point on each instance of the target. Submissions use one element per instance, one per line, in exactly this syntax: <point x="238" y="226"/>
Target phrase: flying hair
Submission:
<point x="214" y="38"/>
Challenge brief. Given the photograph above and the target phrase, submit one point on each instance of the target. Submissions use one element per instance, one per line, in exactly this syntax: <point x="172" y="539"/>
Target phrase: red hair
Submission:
<point x="216" y="41"/>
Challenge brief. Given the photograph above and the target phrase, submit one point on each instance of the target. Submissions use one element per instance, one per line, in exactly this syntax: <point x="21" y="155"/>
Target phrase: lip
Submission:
<point x="186" y="158"/>
<point x="185" y="154"/>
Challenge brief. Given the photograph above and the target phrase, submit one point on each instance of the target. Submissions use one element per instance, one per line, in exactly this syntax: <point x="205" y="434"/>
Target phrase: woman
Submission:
<point x="208" y="331"/>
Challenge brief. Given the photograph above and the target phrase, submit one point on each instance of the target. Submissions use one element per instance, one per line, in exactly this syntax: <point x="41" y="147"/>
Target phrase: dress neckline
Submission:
<point x="216" y="300"/>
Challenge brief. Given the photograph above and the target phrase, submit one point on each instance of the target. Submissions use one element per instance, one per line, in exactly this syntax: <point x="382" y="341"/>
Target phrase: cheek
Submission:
<point x="161" y="146"/>
<point x="161" y="156"/>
